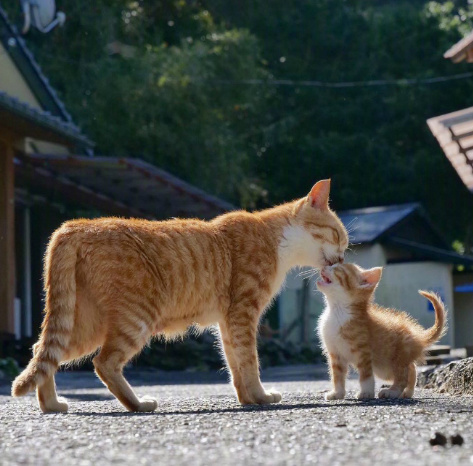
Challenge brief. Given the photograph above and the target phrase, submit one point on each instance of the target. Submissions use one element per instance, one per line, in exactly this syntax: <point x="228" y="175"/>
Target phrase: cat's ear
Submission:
<point x="318" y="196"/>
<point x="371" y="277"/>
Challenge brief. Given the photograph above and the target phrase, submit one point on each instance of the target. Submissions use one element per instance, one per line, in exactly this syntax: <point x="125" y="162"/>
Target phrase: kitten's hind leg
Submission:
<point x="118" y="348"/>
<point x="397" y="388"/>
<point x="365" y="370"/>
<point x="338" y="374"/>
<point x="411" y="381"/>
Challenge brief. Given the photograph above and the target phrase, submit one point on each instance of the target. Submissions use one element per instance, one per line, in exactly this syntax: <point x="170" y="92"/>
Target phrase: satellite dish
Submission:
<point x="42" y="15"/>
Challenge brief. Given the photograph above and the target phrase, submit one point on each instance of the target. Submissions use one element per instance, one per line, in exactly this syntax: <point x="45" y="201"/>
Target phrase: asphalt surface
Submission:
<point x="202" y="424"/>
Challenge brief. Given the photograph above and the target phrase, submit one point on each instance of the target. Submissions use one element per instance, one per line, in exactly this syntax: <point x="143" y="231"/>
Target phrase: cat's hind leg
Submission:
<point x="401" y="375"/>
<point x="47" y="397"/>
<point x="119" y="347"/>
<point x="46" y="394"/>
<point x="411" y="382"/>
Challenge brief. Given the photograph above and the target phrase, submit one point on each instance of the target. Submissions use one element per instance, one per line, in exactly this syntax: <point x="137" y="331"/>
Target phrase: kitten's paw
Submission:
<point x="365" y="395"/>
<point x="333" y="395"/>
<point x="389" y="393"/>
<point x="147" y="404"/>
<point x="58" y="405"/>
<point x="263" y="398"/>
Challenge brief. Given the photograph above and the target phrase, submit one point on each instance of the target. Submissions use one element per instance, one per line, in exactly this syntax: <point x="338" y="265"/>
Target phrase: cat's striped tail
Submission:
<point x="439" y="328"/>
<point x="60" y="287"/>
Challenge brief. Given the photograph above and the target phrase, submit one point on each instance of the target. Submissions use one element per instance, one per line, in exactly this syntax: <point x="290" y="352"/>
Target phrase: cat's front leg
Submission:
<point x="239" y="343"/>
<point x="338" y="373"/>
<point x="365" y="371"/>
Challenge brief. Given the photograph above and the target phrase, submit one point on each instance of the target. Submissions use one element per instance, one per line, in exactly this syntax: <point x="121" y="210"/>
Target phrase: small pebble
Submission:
<point x="456" y="440"/>
<point x="438" y="439"/>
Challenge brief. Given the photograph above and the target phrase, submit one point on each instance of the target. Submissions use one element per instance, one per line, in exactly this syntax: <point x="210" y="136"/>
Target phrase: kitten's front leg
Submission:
<point x="239" y="343"/>
<point x="365" y="370"/>
<point x="338" y="373"/>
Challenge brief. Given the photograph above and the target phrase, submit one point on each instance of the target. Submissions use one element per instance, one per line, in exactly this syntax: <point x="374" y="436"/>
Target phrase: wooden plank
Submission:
<point x="7" y="240"/>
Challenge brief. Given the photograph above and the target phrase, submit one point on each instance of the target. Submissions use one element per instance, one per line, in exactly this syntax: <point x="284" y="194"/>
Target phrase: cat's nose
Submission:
<point x="341" y="259"/>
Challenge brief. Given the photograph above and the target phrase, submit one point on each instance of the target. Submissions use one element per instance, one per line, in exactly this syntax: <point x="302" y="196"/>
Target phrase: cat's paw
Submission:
<point x="389" y="393"/>
<point x="365" y="395"/>
<point x="263" y="398"/>
<point x="58" y="405"/>
<point x="147" y="404"/>
<point x="333" y="395"/>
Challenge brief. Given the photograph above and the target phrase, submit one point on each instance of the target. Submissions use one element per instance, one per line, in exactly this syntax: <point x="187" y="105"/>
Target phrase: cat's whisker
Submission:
<point x="306" y="273"/>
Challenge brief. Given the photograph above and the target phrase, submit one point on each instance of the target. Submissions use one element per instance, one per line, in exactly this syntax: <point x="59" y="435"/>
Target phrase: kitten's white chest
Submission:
<point x="330" y="324"/>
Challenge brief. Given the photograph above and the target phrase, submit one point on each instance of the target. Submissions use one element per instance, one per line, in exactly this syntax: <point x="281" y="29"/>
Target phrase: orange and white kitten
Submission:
<point x="112" y="283"/>
<point x="374" y="340"/>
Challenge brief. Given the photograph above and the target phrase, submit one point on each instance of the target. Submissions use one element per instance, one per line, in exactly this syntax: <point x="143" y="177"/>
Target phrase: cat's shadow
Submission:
<point x="277" y="407"/>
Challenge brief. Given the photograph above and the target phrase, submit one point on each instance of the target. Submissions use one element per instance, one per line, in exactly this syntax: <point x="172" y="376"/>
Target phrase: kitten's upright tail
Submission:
<point x="439" y="328"/>
<point x="60" y="286"/>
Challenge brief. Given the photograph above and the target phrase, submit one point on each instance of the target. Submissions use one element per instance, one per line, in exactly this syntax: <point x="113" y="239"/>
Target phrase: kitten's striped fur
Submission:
<point x="375" y="340"/>
<point x="113" y="283"/>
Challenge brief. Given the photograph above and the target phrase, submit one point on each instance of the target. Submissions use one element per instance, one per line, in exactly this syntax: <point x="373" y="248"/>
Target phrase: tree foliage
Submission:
<point x="184" y="99"/>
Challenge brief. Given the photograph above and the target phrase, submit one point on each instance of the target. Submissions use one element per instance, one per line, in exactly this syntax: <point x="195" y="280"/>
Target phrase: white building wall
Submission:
<point x="399" y="289"/>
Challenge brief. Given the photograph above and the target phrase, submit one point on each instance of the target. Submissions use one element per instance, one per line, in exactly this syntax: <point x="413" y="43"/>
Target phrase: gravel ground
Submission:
<point x="199" y="422"/>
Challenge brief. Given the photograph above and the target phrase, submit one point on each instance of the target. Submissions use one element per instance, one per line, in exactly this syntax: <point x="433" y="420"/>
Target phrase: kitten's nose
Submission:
<point x="341" y="259"/>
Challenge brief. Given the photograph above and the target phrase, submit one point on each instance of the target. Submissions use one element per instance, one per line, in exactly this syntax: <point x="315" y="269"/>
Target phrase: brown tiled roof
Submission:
<point x="118" y="186"/>
<point x="454" y="132"/>
<point x="462" y="50"/>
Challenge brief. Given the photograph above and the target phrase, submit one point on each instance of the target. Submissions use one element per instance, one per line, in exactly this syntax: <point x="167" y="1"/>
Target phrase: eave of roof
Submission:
<point x="461" y="50"/>
<point x="367" y="225"/>
<point x="380" y="224"/>
<point x="436" y="253"/>
<point x="22" y="118"/>
<point x="454" y="133"/>
<point x="135" y="188"/>
<point x="30" y="69"/>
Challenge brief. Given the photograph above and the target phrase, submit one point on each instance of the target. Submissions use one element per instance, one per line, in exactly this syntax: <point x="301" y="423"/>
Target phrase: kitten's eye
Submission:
<point x="316" y="236"/>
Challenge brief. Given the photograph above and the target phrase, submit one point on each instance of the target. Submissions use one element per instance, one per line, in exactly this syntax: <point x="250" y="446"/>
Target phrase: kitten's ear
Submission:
<point x="371" y="277"/>
<point x="318" y="196"/>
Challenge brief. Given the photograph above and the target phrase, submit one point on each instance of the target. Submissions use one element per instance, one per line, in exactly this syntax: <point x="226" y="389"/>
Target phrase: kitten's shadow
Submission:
<point x="252" y="409"/>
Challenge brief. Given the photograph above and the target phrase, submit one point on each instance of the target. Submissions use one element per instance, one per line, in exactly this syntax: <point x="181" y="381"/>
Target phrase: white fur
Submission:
<point x="296" y="248"/>
<point x="330" y="323"/>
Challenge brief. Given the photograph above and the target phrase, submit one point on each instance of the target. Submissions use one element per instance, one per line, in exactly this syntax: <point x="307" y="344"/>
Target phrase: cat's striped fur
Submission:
<point x="113" y="283"/>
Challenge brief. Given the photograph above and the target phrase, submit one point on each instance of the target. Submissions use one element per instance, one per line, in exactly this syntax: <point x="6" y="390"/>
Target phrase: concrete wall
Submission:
<point x="399" y="285"/>
<point x="12" y="82"/>
<point x="463" y="303"/>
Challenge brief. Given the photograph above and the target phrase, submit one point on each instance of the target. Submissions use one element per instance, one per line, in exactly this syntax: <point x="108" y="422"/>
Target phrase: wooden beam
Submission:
<point x="7" y="240"/>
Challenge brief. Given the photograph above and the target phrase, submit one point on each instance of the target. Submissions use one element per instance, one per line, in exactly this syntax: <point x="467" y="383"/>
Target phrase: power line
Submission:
<point x="298" y="83"/>
<point x="370" y="83"/>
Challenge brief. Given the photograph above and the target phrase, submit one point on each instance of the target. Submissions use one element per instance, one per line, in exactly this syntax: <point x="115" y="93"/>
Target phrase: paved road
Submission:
<point x="202" y="424"/>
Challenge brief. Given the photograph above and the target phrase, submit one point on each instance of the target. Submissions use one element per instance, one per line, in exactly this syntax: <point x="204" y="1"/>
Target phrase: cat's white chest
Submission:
<point x="330" y="324"/>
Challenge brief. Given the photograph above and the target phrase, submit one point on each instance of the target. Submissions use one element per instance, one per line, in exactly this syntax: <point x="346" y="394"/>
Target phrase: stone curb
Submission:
<point x="455" y="378"/>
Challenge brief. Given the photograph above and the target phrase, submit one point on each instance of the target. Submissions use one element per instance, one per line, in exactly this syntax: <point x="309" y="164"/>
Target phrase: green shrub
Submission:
<point x="9" y="368"/>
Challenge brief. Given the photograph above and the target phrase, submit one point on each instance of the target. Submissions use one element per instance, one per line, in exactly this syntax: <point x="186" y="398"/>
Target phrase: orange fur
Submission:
<point x="375" y="340"/>
<point x="112" y="283"/>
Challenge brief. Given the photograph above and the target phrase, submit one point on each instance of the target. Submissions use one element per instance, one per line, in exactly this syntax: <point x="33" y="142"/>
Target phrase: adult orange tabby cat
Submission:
<point x="112" y="283"/>
<point x="373" y="339"/>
